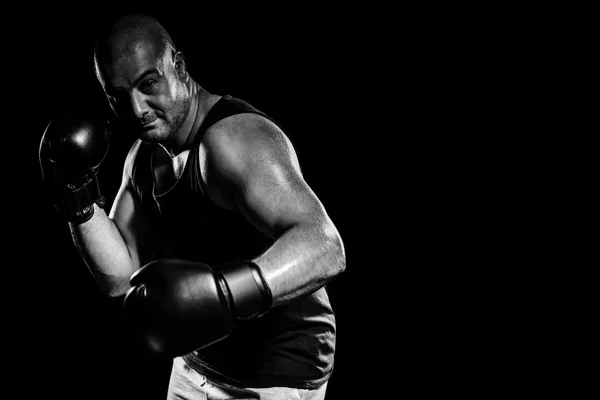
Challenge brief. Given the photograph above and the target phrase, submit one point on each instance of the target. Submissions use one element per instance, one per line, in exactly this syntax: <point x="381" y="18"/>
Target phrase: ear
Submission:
<point x="180" y="67"/>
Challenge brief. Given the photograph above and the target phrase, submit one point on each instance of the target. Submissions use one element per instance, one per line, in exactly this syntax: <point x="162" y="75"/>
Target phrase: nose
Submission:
<point x="139" y="105"/>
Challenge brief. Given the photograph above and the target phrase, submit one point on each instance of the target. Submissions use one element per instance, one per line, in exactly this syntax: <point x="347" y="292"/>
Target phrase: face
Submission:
<point x="147" y="91"/>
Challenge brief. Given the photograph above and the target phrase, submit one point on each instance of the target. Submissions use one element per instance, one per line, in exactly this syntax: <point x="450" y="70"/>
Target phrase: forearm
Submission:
<point x="302" y="260"/>
<point x="104" y="251"/>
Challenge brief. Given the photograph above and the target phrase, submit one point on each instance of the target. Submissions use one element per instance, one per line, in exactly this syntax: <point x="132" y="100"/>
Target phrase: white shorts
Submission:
<point x="187" y="384"/>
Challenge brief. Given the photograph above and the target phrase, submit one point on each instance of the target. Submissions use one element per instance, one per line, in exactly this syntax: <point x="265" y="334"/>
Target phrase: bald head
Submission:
<point x="124" y="34"/>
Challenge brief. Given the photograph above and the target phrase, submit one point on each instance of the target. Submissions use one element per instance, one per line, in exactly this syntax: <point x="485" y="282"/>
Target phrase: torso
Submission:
<point x="292" y="345"/>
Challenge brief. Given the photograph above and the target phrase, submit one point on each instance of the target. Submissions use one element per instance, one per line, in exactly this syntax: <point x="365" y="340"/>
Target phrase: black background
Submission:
<point x="401" y="123"/>
<point x="317" y="73"/>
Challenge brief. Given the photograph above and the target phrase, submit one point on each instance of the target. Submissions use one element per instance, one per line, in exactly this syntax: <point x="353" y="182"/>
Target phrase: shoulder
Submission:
<point x="244" y="126"/>
<point x="244" y="149"/>
<point x="245" y="137"/>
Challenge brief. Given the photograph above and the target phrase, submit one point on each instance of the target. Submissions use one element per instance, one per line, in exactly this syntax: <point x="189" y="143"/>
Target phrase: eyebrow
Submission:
<point x="144" y="75"/>
<point x="111" y="91"/>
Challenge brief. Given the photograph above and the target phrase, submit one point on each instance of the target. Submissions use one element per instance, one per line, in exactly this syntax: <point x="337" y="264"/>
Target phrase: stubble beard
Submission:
<point x="166" y="132"/>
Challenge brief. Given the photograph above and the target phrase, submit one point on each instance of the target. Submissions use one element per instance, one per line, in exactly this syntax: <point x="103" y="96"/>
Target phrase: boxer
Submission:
<point x="216" y="242"/>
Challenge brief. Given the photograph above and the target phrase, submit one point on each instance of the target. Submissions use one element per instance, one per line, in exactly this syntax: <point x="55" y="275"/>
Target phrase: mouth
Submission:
<point x="148" y="125"/>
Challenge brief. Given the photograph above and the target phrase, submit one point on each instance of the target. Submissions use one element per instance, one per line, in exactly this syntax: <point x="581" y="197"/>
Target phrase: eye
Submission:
<point x="148" y="85"/>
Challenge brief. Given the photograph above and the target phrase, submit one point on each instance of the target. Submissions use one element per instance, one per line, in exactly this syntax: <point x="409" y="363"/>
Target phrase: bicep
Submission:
<point x="266" y="181"/>
<point x="275" y="197"/>
<point x="128" y="216"/>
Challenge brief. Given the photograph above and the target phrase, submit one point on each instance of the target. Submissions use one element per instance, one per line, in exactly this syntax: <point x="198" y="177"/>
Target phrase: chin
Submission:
<point x="154" y="135"/>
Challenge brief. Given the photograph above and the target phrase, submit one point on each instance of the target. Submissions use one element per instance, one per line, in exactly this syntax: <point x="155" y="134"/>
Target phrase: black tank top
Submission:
<point x="293" y="344"/>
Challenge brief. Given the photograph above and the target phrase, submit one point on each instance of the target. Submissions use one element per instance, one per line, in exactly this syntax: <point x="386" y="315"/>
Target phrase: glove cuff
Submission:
<point x="77" y="200"/>
<point x="248" y="288"/>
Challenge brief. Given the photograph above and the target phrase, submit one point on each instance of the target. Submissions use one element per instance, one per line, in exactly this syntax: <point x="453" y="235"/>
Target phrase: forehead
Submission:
<point x="122" y="68"/>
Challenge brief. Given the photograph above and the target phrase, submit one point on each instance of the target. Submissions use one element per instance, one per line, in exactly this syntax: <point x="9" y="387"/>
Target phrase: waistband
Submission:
<point x="198" y="365"/>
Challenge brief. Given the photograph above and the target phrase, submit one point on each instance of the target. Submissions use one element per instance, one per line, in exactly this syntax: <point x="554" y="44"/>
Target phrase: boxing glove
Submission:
<point x="177" y="306"/>
<point x="72" y="147"/>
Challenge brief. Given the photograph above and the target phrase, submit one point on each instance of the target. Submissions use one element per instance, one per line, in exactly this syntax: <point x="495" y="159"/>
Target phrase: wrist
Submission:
<point x="76" y="200"/>
<point x="248" y="291"/>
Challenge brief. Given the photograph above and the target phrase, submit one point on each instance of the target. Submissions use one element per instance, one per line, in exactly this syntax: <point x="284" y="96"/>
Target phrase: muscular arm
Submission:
<point x="250" y="164"/>
<point x="115" y="245"/>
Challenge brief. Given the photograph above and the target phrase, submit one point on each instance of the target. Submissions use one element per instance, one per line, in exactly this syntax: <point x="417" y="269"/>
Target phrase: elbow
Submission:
<point x="116" y="292"/>
<point x="113" y="287"/>
<point x="340" y="258"/>
<point x="337" y="253"/>
<point x="119" y="290"/>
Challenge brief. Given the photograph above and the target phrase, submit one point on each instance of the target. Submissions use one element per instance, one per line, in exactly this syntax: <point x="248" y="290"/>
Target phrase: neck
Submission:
<point x="200" y="103"/>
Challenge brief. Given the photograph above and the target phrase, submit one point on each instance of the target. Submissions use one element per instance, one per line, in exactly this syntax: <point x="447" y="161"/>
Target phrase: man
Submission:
<point x="219" y="246"/>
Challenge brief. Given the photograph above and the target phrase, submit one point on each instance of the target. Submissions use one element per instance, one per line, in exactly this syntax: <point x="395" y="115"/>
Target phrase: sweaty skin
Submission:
<point x="246" y="162"/>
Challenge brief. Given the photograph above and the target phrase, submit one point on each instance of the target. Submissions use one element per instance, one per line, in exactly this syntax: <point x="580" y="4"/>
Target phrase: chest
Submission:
<point x="167" y="170"/>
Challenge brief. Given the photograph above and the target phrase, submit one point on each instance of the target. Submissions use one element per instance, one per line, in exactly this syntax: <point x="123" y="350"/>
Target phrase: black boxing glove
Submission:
<point x="176" y="306"/>
<point x="71" y="149"/>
